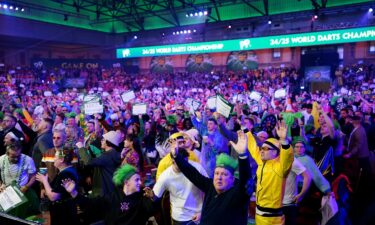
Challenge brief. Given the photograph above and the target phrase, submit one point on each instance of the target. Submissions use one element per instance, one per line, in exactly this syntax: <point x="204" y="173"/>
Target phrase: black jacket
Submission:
<point x="230" y="207"/>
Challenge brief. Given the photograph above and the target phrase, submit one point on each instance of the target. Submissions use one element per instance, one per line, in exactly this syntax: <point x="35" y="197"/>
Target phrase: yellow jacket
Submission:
<point x="167" y="162"/>
<point x="271" y="175"/>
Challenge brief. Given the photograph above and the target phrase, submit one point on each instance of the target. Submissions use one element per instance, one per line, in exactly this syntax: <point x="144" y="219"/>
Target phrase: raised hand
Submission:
<point x="282" y="130"/>
<point x="173" y="147"/>
<point x="69" y="185"/>
<point x="241" y="146"/>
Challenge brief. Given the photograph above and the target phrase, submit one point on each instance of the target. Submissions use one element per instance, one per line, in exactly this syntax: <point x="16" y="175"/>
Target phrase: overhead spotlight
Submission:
<point x="16" y="8"/>
<point x="135" y="37"/>
<point x="229" y="26"/>
<point x="194" y="30"/>
<point x="191" y="14"/>
<point x="187" y="15"/>
<point x="11" y="7"/>
<point x="5" y="6"/>
<point x="200" y="13"/>
<point x="174" y="33"/>
<point x="269" y="22"/>
<point x="316" y="17"/>
<point x="177" y="33"/>
<point x="22" y="10"/>
<point x="205" y="13"/>
<point x="189" y="31"/>
<point x="370" y="10"/>
<point x="195" y="14"/>
<point x="185" y="31"/>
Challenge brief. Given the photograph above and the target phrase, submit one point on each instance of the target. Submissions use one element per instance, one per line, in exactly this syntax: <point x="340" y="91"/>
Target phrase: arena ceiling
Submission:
<point x="118" y="16"/>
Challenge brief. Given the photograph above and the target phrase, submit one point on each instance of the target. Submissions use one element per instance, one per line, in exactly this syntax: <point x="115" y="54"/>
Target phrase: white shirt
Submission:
<point x="291" y="189"/>
<point x="186" y="199"/>
<point x="9" y="172"/>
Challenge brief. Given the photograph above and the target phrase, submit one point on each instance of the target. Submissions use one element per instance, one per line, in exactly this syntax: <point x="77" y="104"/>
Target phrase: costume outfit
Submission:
<point x="230" y="207"/>
<point x="271" y="176"/>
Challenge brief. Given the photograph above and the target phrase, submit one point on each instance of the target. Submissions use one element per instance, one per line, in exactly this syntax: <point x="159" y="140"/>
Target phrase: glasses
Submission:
<point x="299" y="146"/>
<point x="56" y="138"/>
<point x="266" y="149"/>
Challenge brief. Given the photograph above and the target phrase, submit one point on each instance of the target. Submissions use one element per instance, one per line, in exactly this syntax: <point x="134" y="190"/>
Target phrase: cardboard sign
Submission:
<point x="223" y="106"/>
<point x="127" y="96"/>
<point x="139" y="109"/>
<point x="254" y="95"/>
<point x="47" y="94"/>
<point x="192" y="104"/>
<point x="211" y="102"/>
<point x="92" y="104"/>
<point x="280" y="93"/>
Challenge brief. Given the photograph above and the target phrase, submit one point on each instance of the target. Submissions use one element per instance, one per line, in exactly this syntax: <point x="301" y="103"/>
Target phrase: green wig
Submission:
<point x="19" y="111"/>
<point x="227" y="162"/>
<point x="171" y="120"/>
<point x="123" y="173"/>
<point x="70" y="115"/>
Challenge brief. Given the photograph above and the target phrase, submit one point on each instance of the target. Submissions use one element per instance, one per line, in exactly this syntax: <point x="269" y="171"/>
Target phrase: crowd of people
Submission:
<point x="301" y="157"/>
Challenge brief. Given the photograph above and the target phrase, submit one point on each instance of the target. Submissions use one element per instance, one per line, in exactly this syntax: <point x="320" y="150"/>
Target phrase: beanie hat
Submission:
<point x="123" y="173"/>
<point x="225" y="161"/>
<point x="177" y="135"/>
<point x="298" y="139"/>
<point x="113" y="137"/>
<point x="274" y="143"/>
<point x="193" y="135"/>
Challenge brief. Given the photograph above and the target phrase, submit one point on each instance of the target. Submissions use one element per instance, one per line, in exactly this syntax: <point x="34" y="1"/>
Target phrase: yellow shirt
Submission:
<point x="271" y="175"/>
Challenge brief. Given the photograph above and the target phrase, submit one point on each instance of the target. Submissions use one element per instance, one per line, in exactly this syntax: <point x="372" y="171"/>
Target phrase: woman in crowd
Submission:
<point x="63" y="209"/>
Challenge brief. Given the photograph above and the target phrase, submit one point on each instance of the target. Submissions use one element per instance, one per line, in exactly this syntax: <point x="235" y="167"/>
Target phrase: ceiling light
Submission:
<point x="370" y="10"/>
<point x="5" y="6"/>
<point x="135" y="37"/>
<point x="269" y="22"/>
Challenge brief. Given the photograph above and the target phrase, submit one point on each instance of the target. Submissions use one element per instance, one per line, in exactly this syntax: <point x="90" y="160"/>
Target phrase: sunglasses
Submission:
<point x="266" y="149"/>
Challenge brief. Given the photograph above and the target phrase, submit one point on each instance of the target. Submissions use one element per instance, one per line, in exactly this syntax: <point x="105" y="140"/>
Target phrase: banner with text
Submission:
<point x="281" y="41"/>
